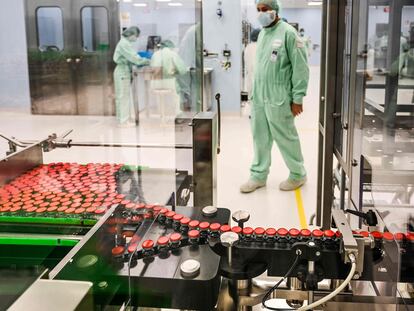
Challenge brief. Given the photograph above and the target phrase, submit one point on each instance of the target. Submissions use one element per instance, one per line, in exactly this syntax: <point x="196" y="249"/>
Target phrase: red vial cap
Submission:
<point x="163" y="211"/>
<point x="175" y="237"/>
<point x="204" y="225"/>
<point x="162" y="241"/>
<point x="41" y="210"/>
<point x="410" y="236"/>
<point x="317" y="233"/>
<point x="132" y="247"/>
<point x="7" y="208"/>
<point x="248" y="231"/>
<point x="399" y="236"/>
<point x="194" y="224"/>
<point x="157" y="209"/>
<point x="30" y="209"/>
<point x="69" y="210"/>
<point x="170" y="214"/>
<point x="185" y="221"/>
<point x="338" y="234"/>
<point x="79" y="210"/>
<point x="225" y="228"/>
<point x="130" y="205"/>
<point x="388" y="236"/>
<point x="100" y="211"/>
<point x="294" y="232"/>
<point x="365" y="234"/>
<point x="125" y="202"/>
<point x="376" y="235"/>
<point x="237" y="229"/>
<point x="52" y="209"/>
<point x="62" y="208"/>
<point x="329" y="234"/>
<point x="271" y="231"/>
<point x="259" y="231"/>
<point x="215" y="227"/>
<point x="194" y="234"/>
<point x="117" y="251"/>
<point x="178" y="217"/>
<point x="15" y="209"/>
<point x="91" y="209"/>
<point x="148" y="244"/>
<point x="282" y="232"/>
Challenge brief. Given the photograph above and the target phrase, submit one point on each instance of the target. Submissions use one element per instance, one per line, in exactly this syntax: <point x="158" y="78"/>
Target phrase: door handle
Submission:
<point x="78" y="60"/>
<point x="68" y="60"/>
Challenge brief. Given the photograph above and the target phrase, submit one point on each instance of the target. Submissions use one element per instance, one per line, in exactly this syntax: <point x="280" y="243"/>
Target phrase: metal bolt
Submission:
<point x="318" y="254"/>
<point x="228" y="239"/>
<point x="241" y="217"/>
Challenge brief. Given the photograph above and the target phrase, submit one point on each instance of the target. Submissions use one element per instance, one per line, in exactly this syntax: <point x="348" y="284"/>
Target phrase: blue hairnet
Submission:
<point x="131" y="31"/>
<point x="274" y="4"/>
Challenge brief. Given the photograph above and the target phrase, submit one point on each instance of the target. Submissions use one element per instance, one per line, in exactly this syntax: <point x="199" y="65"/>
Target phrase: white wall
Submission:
<point x="14" y="82"/>
<point x="217" y="33"/>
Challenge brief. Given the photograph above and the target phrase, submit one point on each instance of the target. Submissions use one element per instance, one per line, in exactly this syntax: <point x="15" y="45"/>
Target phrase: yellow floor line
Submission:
<point x="301" y="210"/>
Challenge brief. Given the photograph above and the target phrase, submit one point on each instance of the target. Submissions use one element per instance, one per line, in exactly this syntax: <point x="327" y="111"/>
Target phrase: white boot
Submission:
<point x="292" y="184"/>
<point x="252" y="185"/>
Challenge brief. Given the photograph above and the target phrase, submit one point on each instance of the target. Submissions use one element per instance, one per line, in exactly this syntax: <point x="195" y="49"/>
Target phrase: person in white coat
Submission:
<point x="250" y="60"/>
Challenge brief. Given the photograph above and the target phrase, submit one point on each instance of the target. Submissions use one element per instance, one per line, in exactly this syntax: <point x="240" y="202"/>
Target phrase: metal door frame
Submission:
<point x="333" y="40"/>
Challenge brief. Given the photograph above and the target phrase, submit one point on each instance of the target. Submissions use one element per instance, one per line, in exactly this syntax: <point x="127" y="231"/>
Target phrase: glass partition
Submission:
<point x="124" y="101"/>
<point x="383" y="129"/>
<point x="118" y="83"/>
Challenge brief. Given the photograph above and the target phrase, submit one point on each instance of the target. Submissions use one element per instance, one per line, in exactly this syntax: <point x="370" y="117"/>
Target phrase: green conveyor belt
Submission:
<point x="5" y="240"/>
<point x="48" y="220"/>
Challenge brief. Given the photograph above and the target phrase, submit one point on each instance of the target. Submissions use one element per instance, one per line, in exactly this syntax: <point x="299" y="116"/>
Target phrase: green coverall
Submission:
<point x="281" y="78"/>
<point x="125" y="57"/>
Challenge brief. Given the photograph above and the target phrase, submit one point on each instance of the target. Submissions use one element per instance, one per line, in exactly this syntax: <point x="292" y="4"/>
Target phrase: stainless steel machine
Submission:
<point x="108" y="236"/>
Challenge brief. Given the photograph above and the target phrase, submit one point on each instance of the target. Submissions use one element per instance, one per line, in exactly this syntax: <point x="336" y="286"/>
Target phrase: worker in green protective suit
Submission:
<point x="280" y="83"/>
<point x="125" y="57"/>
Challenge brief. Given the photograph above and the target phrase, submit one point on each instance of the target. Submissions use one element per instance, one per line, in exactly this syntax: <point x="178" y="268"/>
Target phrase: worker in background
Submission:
<point x="250" y="60"/>
<point x="167" y="65"/>
<point x="280" y="83"/>
<point x="306" y="40"/>
<point x="125" y="57"/>
<point x="189" y="85"/>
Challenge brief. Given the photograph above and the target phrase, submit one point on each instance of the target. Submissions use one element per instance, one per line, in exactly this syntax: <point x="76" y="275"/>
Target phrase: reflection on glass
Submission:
<point x="385" y="86"/>
<point x="95" y="35"/>
<point x="50" y="29"/>
<point x="167" y="65"/>
<point x="383" y="133"/>
<point x="125" y="57"/>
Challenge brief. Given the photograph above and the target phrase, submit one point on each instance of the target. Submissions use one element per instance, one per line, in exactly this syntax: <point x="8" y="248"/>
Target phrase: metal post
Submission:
<point x="329" y="71"/>
<point x="205" y="158"/>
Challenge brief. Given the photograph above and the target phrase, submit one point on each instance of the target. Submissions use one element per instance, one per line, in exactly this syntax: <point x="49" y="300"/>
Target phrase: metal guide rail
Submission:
<point x="154" y="255"/>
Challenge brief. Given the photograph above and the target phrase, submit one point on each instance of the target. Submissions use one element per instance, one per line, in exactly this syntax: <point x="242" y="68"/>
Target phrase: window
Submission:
<point x="95" y="33"/>
<point x="49" y="22"/>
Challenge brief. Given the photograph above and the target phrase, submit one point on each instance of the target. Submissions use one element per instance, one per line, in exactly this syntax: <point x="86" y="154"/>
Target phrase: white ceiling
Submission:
<point x="190" y="3"/>
<point x="297" y="4"/>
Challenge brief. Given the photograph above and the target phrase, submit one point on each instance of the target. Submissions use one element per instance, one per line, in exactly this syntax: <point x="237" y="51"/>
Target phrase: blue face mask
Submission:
<point x="266" y="18"/>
